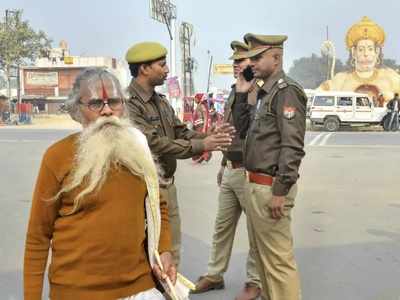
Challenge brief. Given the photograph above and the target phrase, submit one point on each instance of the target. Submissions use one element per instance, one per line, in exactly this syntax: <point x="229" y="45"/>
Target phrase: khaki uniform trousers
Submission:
<point x="231" y="203"/>
<point x="169" y="193"/>
<point x="273" y="241"/>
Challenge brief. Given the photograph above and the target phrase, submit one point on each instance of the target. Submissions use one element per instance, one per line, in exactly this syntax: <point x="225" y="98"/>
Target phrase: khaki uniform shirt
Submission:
<point x="274" y="130"/>
<point x="169" y="139"/>
<point x="235" y="150"/>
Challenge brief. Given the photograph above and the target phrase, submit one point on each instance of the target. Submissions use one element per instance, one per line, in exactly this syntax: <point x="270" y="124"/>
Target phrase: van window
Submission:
<point x="324" y="101"/>
<point x="362" y="101"/>
<point x="345" y="101"/>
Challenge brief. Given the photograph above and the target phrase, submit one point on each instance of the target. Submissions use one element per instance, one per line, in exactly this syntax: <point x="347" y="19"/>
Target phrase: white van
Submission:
<point x="333" y="109"/>
<point x="310" y="94"/>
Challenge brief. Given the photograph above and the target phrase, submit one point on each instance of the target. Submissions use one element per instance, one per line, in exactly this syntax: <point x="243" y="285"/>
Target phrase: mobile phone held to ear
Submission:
<point x="248" y="74"/>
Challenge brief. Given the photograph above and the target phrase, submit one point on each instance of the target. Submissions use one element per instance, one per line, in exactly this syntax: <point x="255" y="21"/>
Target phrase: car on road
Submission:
<point x="335" y="109"/>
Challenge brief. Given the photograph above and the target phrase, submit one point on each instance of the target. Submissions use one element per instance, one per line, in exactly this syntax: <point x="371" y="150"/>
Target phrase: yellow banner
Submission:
<point x="223" y="69"/>
<point x="68" y="60"/>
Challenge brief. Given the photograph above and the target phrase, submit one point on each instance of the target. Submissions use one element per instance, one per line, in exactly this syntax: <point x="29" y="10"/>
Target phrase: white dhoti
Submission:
<point x="152" y="294"/>
<point x="153" y="217"/>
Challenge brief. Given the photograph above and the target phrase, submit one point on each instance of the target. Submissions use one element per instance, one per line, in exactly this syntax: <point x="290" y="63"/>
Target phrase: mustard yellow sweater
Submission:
<point x="97" y="253"/>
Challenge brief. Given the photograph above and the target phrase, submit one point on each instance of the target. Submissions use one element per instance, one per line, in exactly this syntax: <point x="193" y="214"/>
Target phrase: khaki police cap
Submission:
<point x="239" y="50"/>
<point x="259" y="43"/>
<point x="144" y="52"/>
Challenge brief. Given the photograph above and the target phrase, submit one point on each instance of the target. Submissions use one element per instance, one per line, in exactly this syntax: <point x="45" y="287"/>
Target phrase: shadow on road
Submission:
<point x="368" y="271"/>
<point x="352" y="272"/>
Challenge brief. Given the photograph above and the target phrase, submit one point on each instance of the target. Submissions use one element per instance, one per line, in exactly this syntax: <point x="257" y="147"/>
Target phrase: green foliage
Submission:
<point x="391" y="63"/>
<point x="19" y="42"/>
<point x="311" y="71"/>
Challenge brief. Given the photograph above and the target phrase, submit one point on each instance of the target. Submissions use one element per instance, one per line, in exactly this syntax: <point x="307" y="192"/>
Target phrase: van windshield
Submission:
<point x="324" y="101"/>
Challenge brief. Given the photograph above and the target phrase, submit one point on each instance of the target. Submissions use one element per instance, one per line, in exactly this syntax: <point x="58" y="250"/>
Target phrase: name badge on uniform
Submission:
<point x="289" y="112"/>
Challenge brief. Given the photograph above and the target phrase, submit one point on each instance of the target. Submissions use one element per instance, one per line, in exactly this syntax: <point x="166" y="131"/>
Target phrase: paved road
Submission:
<point x="346" y="221"/>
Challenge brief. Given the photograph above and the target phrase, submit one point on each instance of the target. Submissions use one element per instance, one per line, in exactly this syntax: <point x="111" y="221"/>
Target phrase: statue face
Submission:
<point x="365" y="55"/>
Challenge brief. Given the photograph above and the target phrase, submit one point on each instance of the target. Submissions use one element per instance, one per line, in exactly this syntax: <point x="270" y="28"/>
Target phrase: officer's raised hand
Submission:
<point x="242" y="85"/>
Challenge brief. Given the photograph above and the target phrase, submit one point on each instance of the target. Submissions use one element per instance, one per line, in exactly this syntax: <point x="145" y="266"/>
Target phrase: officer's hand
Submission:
<point x="217" y="142"/>
<point x="225" y="128"/>
<point x="220" y="174"/>
<point x="242" y="85"/>
<point x="169" y="269"/>
<point x="276" y="207"/>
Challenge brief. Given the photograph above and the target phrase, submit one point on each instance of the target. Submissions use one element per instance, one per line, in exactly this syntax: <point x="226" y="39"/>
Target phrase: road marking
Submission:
<point x="316" y="139"/>
<point x="321" y="139"/>
<point x="363" y="146"/>
<point x="325" y="139"/>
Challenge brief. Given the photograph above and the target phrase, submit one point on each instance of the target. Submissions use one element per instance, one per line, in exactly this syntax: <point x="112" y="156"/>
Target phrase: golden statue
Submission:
<point x="365" y="41"/>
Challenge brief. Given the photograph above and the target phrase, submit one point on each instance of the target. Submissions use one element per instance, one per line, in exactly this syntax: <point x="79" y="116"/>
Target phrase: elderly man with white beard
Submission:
<point x="92" y="198"/>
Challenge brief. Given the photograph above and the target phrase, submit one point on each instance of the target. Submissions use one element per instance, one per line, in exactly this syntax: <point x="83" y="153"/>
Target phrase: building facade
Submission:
<point x="47" y="84"/>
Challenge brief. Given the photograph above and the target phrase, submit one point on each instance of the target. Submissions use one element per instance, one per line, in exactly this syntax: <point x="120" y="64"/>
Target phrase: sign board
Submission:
<point x="68" y="60"/>
<point x="42" y="78"/>
<point x="162" y="11"/>
<point x="174" y="90"/>
<point x="223" y="69"/>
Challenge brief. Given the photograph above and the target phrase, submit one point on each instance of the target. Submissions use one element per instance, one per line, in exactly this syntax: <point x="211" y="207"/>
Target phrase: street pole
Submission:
<point x="173" y="48"/>
<point x="209" y="71"/>
<point x="14" y="13"/>
<point x="165" y="12"/>
<point x="18" y="84"/>
<point x="7" y="69"/>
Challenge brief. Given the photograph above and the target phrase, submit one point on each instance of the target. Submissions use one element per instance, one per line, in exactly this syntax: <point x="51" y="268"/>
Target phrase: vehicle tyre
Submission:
<point x="385" y="122"/>
<point x="331" y="124"/>
<point x="312" y="126"/>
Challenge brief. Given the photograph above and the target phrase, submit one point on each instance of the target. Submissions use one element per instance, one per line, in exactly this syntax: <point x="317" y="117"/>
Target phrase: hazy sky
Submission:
<point x="108" y="28"/>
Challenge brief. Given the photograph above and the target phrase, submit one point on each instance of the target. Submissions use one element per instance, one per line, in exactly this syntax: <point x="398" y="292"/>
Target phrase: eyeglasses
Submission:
<point x="97" y="105"/>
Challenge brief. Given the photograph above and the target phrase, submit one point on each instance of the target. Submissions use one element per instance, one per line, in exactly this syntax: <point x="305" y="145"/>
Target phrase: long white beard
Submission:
<point x="108" y="141"/>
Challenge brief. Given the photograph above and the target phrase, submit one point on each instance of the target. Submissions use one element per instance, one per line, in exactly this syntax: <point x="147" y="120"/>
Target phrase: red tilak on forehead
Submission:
<point x="105" y="95"/>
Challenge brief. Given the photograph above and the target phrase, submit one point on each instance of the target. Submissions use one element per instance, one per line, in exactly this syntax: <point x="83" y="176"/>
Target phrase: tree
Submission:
<point x="311" y="71"/>
<point x="391" y="63"/>
<point x="19" y="44"/>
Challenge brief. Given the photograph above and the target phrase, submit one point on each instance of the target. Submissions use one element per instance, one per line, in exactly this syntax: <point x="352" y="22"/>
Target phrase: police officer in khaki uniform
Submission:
<point x="231" y="202"/>
<point x="169" y="139"/>
<point x="273" y="150"/>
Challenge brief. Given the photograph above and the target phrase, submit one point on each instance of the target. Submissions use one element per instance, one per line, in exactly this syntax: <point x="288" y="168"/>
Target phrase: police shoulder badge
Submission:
<point x="289" y="112"/>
